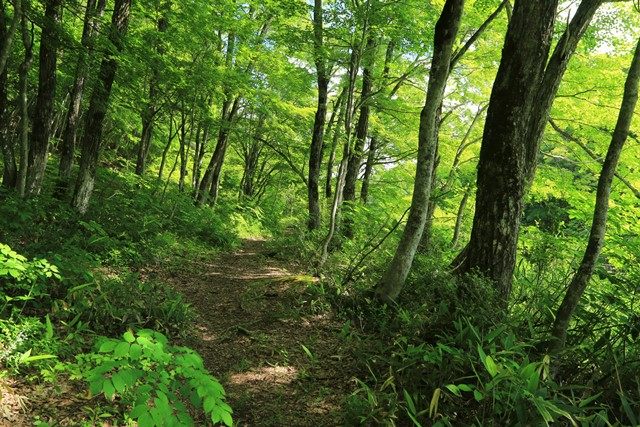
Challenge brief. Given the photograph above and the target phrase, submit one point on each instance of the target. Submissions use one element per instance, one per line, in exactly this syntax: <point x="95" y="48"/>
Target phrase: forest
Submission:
<point x="319" y="213"/>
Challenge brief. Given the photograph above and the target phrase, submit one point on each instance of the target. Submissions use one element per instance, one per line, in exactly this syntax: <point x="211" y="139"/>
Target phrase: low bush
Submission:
<point x="158" y="383"/>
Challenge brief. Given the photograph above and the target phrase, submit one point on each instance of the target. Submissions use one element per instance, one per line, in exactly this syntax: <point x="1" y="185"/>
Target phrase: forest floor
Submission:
<point x="280" y="356"/>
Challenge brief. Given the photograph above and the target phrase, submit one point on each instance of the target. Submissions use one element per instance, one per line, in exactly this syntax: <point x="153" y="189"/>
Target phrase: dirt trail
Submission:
<point x="280" y="358"/>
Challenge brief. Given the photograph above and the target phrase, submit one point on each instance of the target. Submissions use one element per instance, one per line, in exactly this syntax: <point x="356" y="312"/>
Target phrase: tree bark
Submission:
<point x="9" y="170"/>
<point x="315" y="152"/>
<point x="328" y="187"/>
<point x="148" y="114"/>
<point x="354" y="161"/>
<point x="522" y="95"/>
<point x="368" y="170"/>
<point x="93" y="13"/>
<point x="211" y="177"/>
<point x="8" y="34"/>
<point x="373" y="143"/>
<point x="171" y="136"/>
<point x="460" y="217"/>
<point x="39" y="149"/>
<point x="599" y="224"/>
<point x="446" y="31"/>
<point x="98" y="106"/>
<point x="23" y="106"/>
<point x="362" y="127"/>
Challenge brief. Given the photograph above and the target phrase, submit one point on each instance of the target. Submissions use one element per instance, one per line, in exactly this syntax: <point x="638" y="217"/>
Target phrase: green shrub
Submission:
<point x="24" y="284"/>
<point x="26" y="341"/>
<point x="111" y="305"/>
<point x="158" y="382"/>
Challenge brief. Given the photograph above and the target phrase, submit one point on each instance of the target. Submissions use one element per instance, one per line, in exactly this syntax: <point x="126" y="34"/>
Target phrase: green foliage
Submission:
<point x="111" y="305"/>
<point x="491" y="374"/>
<point x="27" y="342"/>
<point x="157" y="380"/>
<point x="24" y="284"/>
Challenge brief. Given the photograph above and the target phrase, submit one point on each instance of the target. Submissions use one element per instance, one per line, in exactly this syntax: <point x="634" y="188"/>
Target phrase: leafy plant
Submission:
<point x="157" y="380"/>
<point x="23" y="282"/>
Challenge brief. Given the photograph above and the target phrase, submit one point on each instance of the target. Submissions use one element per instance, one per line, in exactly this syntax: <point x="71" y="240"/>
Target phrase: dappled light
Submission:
<point x="319" y="213"/>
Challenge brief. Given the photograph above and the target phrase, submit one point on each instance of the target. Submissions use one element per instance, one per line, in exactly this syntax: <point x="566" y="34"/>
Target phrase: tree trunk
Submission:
<point x="373" y="144"/>
<point x="8" y="34"/>
<point x="328" y="187"/>
<point x="315" y="152"/>
<point x="148" y="114"/>
<point x="460" y="217"/>
<point x="92" y="16"/>
<point x="517" y="112"/>
<point x="39" y="149"/>
<point x="98" y="108"/>
<point x="446" y="31"/>
<point x="199" y="155"/>
<point x="183" y="148"/>
<point x="368" y="170"/>
<point x="354" y="161"/>
<point x="211" y="177"/>
<point x="23" y="106"/>
<point x="362" y="127"/>
<point x="167" y="146"/>
<point x="9" y="170"/>
<point x="599" y="224"/>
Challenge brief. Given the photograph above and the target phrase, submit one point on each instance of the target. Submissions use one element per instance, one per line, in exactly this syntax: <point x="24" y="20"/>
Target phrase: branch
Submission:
<point x="568" y="137"/>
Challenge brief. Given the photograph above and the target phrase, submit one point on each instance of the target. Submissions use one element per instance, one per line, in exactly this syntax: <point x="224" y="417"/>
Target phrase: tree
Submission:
<point x="599" y="223"/>
<point x="98" y="106"/>
<point x="93" y="12"/>
<point x="446" y="31"/>
<point x="48" y="58"/>
<point x="317" y="139"/>
<point x="523" y="92"/>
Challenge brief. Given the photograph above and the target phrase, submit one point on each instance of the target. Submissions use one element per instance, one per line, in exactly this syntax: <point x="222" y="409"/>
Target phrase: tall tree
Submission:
<point x="150" y="110"/>
<point x="8" y="33"/>
<point x="43" y="111"/>
<point x="315" y="152"/>
<point x="522" y="95"/>
<point x="354" y="161"/>
<point x="599" y="223"/>
<point x="23" y="106"/>
<point x="98" y="105"/>
<point x="9" y="170"/>
<point x="93" y="12"/>
<point x="446" y="32"/>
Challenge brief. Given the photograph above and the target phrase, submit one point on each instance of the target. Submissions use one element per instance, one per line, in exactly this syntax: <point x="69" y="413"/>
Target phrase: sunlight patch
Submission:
<point x="270" y="374"/>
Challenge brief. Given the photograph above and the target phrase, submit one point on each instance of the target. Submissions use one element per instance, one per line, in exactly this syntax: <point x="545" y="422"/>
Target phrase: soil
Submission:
<point x="277" y="350"/>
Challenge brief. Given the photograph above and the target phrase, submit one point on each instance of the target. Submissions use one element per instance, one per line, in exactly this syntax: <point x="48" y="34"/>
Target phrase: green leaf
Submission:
<point x="107" y="346"/>
<point x="135" y="351"/>
<point x="533" y="382"/>
<point x="410" y="405"/>
<point x="453" y="389"/>
<point x="119" y="382"/>
<point x="138" y="411"/>
<point x="491" y="366"/>
<point x="209" y="404"/>
<point x="226" y="418"/>
<point x="108" y="389"/>
<point x="145" y="420"/>
<point x="121" y="350"/>
<point x="477" y="395"/>
<point x="465" y="387"/>
<point x="128" y="336"/>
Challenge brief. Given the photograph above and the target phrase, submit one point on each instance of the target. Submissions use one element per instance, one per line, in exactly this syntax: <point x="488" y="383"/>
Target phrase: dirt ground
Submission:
<point x="280" y="357"/>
